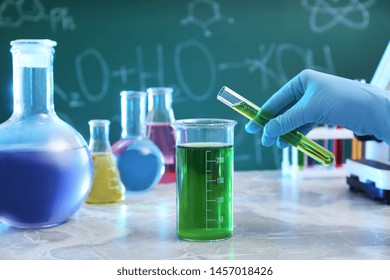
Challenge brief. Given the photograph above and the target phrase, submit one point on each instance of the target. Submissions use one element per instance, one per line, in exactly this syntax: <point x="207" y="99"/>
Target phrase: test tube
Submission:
<point x="260" y="117"/>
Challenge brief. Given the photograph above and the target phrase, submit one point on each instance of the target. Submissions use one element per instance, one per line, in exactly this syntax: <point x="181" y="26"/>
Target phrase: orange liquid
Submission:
<point x="107" y="185"/>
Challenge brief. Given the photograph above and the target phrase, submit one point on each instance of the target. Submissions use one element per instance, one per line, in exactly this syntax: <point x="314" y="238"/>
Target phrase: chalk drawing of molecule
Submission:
<point x="204" y="13"/>
<point x="14" y="12"/>
<point x="326" y="14"/>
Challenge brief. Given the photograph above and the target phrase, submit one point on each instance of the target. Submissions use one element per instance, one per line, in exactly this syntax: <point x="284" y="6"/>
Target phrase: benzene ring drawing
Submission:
<point x="194" y="17"/>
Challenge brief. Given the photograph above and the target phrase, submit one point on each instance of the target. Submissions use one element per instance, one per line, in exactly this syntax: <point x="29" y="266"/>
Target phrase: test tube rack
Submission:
<point x="290" y="163"/>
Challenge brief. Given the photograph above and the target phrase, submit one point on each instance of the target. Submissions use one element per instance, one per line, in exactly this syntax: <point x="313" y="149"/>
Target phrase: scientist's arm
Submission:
<point x="313" y="97"/>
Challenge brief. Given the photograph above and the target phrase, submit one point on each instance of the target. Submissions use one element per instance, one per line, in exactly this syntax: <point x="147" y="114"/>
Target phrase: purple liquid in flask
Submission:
<point x="163" y="135"/>
<point x="160" y="116"/>
<point x="42" y="188"/>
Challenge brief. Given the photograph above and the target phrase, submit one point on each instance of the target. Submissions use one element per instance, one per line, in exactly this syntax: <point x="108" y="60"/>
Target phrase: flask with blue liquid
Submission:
<point x="46" y="168"/>
<point x="139" y="160"/>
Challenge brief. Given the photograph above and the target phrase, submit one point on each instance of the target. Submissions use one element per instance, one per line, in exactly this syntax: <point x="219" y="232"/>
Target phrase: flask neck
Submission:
<point x="32" y="62"/>
<point x="99" y="140"/>
<point x="160" y="105"/>
<point x="133" y="114"/>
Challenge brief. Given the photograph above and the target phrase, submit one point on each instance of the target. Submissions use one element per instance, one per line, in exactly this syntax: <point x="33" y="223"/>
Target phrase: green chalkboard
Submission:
<point x="194" y="46"/>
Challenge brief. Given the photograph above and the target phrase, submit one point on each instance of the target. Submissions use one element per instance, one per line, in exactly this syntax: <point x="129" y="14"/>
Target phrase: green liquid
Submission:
<point x="204" y="174"/>
<point x="295" y="138"/>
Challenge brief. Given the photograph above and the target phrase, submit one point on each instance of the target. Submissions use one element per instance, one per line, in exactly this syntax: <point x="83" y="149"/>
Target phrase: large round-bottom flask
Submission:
<point x="45" y="165"/>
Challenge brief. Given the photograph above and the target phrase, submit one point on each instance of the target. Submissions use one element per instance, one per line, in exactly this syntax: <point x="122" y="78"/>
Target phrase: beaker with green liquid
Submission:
<point x="204" y="178"/>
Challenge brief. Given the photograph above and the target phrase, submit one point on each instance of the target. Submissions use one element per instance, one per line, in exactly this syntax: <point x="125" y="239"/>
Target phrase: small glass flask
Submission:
<point x="46" y="167"/>
<point x="159" y="130"/>
<point x="107" y="185"/>
<point x="140" y="161"/>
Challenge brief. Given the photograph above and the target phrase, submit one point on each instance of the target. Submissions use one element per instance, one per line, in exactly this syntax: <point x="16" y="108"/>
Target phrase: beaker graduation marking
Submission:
<point x="208" y="171"/>
<point x="210" y="181"/>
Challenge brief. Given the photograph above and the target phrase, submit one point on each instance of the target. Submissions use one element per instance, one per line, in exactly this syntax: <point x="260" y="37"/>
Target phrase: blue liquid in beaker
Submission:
<point x="140" y="163"/>
<point x="43" y="188"/>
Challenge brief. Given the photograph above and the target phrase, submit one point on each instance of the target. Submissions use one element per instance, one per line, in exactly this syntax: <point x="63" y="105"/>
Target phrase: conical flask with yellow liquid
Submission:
<point x="107" y="186"/>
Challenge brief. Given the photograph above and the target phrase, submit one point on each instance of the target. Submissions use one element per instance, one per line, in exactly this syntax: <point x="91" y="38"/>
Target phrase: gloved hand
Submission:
<point x="313" y="97"/>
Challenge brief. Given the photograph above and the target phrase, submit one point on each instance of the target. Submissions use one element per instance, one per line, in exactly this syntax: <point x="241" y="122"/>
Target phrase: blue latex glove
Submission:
<point x="313" y="97"/>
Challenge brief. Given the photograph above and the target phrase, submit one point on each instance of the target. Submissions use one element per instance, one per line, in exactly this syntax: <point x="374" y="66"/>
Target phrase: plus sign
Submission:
<point x="123" y="73"/>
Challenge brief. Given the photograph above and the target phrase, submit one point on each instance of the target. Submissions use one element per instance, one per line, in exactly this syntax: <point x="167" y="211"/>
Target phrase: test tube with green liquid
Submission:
<point x="260" y="117"/>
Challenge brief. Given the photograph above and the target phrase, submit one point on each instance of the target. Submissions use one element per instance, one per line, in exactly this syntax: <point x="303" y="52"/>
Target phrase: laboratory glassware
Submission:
<point x="204" y="178"/>
<point x="159" y="117"/>
<point x="46" y="167"/>
<point x="107" y="185"/>
<point x="260" y="117"/>
<point x="139" y="160"/>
